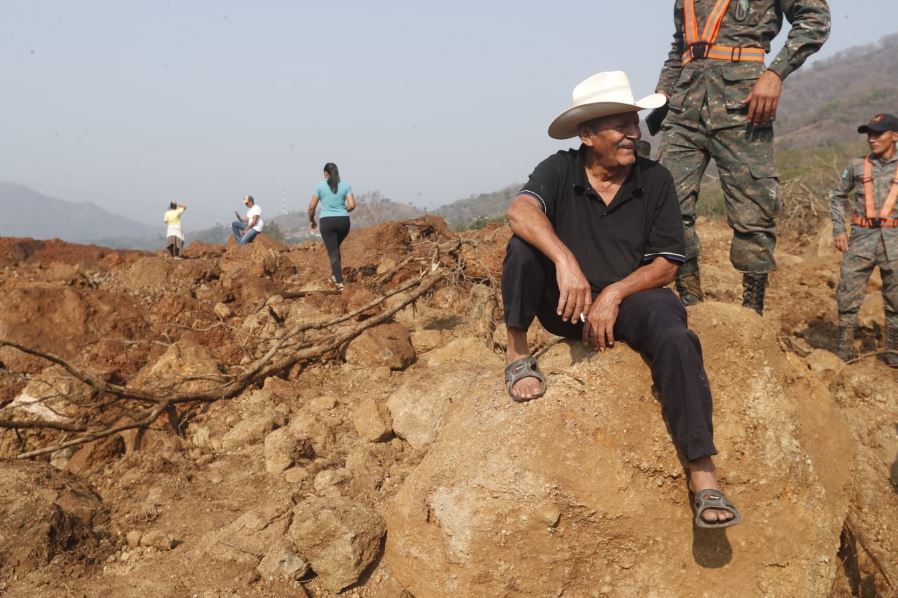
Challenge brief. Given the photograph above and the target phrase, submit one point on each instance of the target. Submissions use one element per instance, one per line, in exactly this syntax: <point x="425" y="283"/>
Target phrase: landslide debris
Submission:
<point x="387" y="461"/>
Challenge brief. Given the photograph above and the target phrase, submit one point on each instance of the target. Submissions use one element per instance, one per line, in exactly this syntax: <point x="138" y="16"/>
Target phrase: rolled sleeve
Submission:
<point x="665" y="235"/>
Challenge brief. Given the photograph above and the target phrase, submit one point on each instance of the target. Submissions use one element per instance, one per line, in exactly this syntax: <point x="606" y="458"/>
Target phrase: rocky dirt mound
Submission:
<point x="252" y="432"/>
<point x="583" y="490"/>
<point x="50" y="519"/>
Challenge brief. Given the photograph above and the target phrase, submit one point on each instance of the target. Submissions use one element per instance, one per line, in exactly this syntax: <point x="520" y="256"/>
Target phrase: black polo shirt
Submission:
<point x="642" y="222"/>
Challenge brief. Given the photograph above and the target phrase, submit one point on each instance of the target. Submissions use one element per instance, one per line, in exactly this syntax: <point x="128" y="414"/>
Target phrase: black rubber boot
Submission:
<point x="891" y="359"/>
<point x="753" y="288"/>
<point x="689" y="287"/>
<point x="845" y="342"/>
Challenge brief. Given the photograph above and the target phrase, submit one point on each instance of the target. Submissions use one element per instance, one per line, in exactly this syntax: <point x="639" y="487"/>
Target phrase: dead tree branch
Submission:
<point x="266" y="366"/>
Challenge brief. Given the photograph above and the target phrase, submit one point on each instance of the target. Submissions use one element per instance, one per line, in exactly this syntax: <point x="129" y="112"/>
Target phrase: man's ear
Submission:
<point x="584" y="134"/>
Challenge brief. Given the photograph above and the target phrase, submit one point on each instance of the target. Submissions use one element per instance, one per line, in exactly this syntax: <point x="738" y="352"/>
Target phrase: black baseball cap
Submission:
<point x="879" y="123"/>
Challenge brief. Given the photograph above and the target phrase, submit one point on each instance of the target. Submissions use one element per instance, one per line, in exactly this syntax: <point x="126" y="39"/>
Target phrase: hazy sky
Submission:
<point x="132" y="104"/>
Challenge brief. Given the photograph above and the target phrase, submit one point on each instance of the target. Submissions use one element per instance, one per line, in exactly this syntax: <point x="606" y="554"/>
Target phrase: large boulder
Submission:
<point x="582" y="492"/>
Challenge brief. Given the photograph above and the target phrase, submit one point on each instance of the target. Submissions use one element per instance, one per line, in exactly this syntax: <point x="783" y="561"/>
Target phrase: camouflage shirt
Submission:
<point x="724" y="84"/>
<point x="863" y="239"/>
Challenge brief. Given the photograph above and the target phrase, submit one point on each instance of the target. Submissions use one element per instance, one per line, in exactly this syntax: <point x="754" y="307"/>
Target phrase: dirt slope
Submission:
<point x="215" y="498"/>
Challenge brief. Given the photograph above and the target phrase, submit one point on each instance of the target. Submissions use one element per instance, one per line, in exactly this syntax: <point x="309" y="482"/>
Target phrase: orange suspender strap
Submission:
<point x="690" y="27"/>
<point x="712" y="24"/>
<point x="709" y="34"/>
<point x="886" y="210"/>
<point x="869" y="206"/>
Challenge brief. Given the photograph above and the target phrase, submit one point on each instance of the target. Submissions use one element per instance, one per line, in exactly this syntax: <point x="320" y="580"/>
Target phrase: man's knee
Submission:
<point x="520" y="255"/>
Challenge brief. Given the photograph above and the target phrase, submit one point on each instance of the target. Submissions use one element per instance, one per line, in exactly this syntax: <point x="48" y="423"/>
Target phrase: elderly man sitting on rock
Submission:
<point x="597" y="235"/>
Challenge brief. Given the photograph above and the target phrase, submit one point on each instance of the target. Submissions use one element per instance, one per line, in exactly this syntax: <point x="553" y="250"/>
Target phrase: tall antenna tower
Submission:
<point x="284" y="202"/>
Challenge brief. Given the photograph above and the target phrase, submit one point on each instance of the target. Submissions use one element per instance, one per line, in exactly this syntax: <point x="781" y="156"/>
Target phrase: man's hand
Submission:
<point x="764" y="98"/>
<point x="841" y="243"/>
<point x="575" y="293"/>
<point x="598" y="330"/>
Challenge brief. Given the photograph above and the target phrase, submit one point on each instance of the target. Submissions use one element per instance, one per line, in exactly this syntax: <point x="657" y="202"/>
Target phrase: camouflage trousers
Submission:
<point x="855" y="272"/>
<point x="744" y="159"/>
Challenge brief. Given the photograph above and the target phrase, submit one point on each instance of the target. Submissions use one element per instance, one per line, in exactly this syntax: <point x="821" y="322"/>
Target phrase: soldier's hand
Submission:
<point x="841" y="243"/>
<point x="575" y="295"/>
<point x="764" y="98"/>
<point x="598" y="330"/>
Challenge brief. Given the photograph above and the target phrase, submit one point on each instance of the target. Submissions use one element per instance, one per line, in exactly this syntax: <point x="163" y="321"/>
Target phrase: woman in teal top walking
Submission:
<point x="337" y="201"/>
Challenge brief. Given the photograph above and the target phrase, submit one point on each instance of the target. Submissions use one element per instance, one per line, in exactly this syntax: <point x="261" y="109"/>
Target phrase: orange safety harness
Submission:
<point x="872" y="219"/>
<point x="703" y="46"/>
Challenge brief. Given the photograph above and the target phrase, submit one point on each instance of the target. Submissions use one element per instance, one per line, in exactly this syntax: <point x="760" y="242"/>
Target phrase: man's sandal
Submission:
<point x="525" y="367"/>
<point x="713" y="499"/>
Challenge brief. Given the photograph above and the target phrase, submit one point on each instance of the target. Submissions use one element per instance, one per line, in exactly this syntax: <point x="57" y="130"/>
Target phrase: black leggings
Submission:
<point x="652" y="322"/>
<point x="333" y="230"/>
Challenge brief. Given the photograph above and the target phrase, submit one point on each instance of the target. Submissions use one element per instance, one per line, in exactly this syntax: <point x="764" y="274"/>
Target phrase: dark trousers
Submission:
<point x="652" y="322"/>
<point x="333" y="230"/>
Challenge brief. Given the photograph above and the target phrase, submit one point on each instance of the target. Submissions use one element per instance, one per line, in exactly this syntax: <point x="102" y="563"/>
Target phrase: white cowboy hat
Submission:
<point x="600" y="95"/>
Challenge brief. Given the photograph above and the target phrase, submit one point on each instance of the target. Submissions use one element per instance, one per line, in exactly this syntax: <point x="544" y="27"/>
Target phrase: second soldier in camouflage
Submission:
<point x="873" y="241"/>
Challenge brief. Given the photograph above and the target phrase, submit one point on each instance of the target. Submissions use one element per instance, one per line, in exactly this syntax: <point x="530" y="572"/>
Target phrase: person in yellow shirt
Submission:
<point x="174" y="236"/>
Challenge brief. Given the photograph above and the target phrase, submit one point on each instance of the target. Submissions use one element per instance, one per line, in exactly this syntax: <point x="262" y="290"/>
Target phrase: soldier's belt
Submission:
<point x="874" y="222"/>
<point x="703" y="50"/>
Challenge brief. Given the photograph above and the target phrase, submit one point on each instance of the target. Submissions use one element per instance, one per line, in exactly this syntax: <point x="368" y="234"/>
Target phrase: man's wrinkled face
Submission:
<point x="881" y="142"/>
<point x="613" y="138"/>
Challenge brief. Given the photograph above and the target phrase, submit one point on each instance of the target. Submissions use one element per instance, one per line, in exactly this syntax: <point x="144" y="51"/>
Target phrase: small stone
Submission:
<point x="281" y="563"/>
<point x="323" y="403"/>
<point x="201" y="437"/>
<point x="330" y="479"/>
<point x="133" y="538"/>
<point x="158" y="539"/>
<point x="371" y="421"/>
<point x="222" y="311"/>
<point x="280" y="450"/>
<point x="59" y="459"/>
<point x="296" y="475"/>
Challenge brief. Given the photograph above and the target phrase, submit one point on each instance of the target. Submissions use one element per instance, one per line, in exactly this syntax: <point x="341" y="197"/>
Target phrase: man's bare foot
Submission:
<point x="529" y="387"/>
<point x="701" y="477"/>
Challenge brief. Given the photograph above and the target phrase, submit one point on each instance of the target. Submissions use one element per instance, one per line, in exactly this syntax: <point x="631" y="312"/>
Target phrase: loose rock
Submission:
<point x="338" y="538"/>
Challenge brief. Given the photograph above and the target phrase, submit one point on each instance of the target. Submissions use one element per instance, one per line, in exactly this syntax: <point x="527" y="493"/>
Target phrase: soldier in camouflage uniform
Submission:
<point x="722" y="103"/>
<point x="874" y="233"/>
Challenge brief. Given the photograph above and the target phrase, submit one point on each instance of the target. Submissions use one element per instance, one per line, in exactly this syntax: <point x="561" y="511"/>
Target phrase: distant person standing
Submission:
<point x="174" y="236"/>
<point x="246" y="229"/>
<point x="873" y="180"/>
<point x="337" y="202"/>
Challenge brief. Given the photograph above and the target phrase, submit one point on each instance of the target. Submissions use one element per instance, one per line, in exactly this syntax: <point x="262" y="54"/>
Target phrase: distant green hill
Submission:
<point x="822" y="104"/>
<point x="478" y="210"/>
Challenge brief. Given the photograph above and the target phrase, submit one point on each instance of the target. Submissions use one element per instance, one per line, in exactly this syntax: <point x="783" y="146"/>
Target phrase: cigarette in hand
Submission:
<point x="582" y="317"/>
